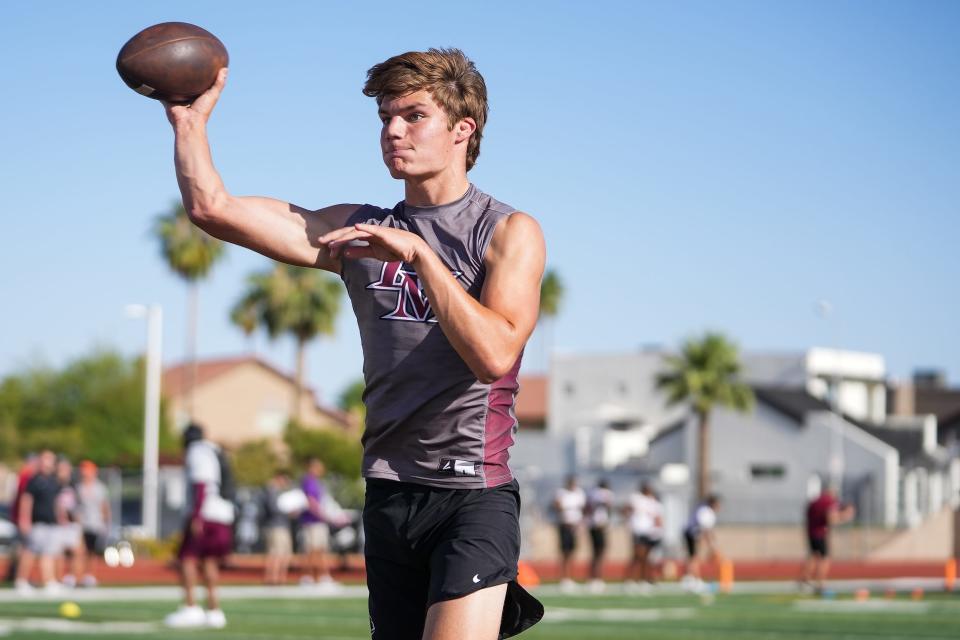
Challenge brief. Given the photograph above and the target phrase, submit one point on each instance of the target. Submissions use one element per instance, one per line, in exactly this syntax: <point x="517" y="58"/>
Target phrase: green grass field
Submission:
<point x="734" y="617"/>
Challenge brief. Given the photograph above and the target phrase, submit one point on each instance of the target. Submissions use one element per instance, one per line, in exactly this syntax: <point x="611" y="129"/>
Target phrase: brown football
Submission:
<point x="172" y="61"/>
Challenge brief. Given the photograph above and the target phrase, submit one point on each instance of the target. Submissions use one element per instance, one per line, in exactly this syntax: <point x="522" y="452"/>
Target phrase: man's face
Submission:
<point x="48" y="462"/>
<point x="416" y="139"/>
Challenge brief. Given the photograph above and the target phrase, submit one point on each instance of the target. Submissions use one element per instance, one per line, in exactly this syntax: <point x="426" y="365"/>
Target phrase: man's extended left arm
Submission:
<point x="489" y="334"/>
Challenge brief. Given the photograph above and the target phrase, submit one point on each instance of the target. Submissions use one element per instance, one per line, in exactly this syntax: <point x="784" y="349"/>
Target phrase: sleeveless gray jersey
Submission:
<point x="429" y="420"/>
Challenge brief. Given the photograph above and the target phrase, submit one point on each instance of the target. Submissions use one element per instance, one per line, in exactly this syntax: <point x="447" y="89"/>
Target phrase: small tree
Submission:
<point x="705" y="375"/>
<point x="254" y="463"/>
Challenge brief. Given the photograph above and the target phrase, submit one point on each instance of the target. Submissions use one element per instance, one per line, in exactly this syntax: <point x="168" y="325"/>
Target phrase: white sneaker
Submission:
<point x="645" y="588"/>
<point x="597" y="586"/>
<point x="23" y="587"/>
<point x="567" y="585"/>
<point x="53" y="588"/>
<point x="216" y="619"/>
<point x="186" y="618"/>
<point x="88" y="581"/>
<point x="306" y="581"/>
<point x="69" y="581"/>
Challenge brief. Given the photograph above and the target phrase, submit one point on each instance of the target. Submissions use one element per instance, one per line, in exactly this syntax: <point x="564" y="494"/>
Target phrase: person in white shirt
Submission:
<point x="568" y="503"/>
<point x="700" y="528"/>
<point x="207" y="535"/>
<point x="94" y="516"/>
<point x="599" y="506"/>
<point x="645" y="515"/>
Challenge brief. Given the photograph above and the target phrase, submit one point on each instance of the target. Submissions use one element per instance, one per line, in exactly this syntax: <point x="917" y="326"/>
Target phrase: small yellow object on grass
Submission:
<point x="70" y="610"/>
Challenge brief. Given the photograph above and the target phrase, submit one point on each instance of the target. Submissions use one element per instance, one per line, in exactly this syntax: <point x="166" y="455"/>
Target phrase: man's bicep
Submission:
<point x="515" y="262"/>
<point x="281" y="230"/>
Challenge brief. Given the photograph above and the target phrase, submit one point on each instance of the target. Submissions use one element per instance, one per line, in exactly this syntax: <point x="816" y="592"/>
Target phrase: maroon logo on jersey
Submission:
<point x="412" y="304"/>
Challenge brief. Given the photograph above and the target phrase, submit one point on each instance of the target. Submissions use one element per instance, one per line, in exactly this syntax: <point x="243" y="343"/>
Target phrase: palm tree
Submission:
<point x="190" y="252"/>
<point x="295" y="300"/>
<point x="705" y="374"/>
<point x="551" y="297"/>
<point x="244" y="315"/>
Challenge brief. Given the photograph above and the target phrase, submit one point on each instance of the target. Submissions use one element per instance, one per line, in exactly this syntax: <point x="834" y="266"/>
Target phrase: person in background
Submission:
<point x="314" y="530"/>
<point x="37" y="521"/>
<point x="93" y="515"/>
<point x="645" y="515"/>
<point x="69" y="533"/>
<point x="598" y="511"/>
<point x="568" y="503"/>
<point x="700" y="528"/>
<point x="207" y="533"/>
<point x="27" y="469"/>
<point x="276" y="527"/>
<point x="822" y="513"/>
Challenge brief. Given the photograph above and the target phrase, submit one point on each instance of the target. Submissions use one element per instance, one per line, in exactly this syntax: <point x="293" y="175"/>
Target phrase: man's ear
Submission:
<point x="465" y="128"/>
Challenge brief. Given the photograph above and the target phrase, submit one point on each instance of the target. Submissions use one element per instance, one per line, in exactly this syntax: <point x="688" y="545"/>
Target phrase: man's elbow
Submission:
<point x="492" y="369"/>
<point x="208" y="213"/>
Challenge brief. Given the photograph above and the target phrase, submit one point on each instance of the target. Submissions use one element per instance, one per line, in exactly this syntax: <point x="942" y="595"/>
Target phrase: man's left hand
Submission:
<point x="382" y="243"/>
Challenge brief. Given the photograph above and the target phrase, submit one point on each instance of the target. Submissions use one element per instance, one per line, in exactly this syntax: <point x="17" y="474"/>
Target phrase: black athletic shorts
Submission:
<point x="426" y="545"/>
<point x="647" y="541"/>
<point x="568" y="537"/>
<point x="91" y="540"/>
<point x="818" y="546"/>
<point x="598" y="539"/>
<point x="691" y="541"/>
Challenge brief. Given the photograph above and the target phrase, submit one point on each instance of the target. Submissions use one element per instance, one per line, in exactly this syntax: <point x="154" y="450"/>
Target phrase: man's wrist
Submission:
<point x="421" y="253"/>
<point x="187" y="128"/>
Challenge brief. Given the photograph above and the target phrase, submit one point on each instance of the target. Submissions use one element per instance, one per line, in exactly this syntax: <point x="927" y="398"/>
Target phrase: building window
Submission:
<point x="767" y="471"/>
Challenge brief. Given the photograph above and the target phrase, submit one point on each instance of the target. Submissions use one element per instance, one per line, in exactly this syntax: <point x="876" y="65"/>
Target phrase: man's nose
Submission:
<point x="394" y="127"/>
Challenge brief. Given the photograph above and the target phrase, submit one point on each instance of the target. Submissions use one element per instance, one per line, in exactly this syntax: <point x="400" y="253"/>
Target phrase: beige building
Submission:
<point x="241" y="399"/>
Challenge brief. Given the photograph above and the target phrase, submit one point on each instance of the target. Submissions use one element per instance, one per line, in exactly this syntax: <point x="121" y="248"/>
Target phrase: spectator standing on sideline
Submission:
<point x="700" y="528"/>
<point x="569" y="503"/>
<point x="645" y="514"/>
<point x="94" y="518"/>
<point x="207" y="533"/>
<point x="598" y="511"/>
<point x="276" y="527"/>
<point x="822" y="513"/>
<point x="314" y="530"/>
<point x="27" y="470"/>
<point x="69" y="532"/>
<point x="38" y="525"/>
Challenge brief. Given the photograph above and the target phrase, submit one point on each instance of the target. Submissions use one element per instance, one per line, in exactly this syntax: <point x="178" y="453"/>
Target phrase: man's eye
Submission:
<point x="415" y="117"/>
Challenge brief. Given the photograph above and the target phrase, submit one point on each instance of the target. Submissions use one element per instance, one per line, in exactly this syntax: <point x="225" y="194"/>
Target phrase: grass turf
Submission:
<point x="774" y="617"/>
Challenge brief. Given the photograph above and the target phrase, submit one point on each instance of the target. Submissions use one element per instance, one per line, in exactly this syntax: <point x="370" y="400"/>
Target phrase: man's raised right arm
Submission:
<point x="274" y="228"/>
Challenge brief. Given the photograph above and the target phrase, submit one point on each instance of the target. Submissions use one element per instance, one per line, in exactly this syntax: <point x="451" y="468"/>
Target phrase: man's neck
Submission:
<point x="435" y="190"/>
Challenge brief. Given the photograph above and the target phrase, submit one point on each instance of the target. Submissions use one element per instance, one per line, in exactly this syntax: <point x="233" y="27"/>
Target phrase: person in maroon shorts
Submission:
<point x="207" y="534"/>
<point x="822" y="513"/>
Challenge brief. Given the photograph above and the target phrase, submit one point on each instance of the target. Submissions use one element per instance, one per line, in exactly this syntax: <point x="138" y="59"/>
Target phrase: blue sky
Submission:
<point x="694" y="165"/>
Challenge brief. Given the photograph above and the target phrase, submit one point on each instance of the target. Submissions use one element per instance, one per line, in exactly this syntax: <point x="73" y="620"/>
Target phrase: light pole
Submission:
<point x="825" y="309"/>
<point x="151" y="413"/>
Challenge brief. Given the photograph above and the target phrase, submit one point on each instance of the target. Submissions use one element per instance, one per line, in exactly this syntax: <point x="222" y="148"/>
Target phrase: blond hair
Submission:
<point x="447" y="74"/>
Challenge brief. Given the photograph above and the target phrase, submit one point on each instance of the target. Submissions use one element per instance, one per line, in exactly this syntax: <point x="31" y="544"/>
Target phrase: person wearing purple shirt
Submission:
<point x="314" y="531"/>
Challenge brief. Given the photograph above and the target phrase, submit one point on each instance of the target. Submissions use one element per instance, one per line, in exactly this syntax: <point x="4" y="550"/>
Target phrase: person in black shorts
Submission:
<point x="822" y="513"/>
<point x="445" y="287"/>
<point x="598" y="512"/>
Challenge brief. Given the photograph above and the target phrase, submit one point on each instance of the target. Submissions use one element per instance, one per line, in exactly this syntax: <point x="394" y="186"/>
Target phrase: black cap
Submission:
<point x="192" y="433"/>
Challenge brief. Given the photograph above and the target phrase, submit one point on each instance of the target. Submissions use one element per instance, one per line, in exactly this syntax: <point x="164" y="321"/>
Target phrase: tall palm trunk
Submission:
<point x="192" y="315"/>
<point x="703" y="455"/>
<point x="298" y="391"/>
